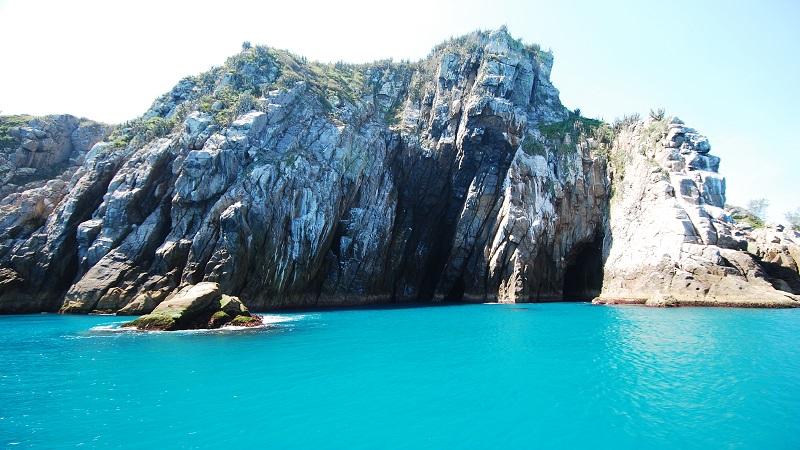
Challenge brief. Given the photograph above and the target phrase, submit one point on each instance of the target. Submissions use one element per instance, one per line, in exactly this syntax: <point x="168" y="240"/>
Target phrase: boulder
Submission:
<point x="194" y="307"/>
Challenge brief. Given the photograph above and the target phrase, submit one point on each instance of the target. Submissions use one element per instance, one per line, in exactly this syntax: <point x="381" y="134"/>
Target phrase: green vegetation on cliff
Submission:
<point x="6" y="124"/>
<point x="745" y="216"/>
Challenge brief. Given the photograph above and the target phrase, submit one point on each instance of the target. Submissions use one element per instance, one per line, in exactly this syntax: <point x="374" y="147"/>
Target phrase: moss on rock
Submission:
<point x="245" y="321"/>
<point x="152" y="322"/>
<point x="200" y="306"/>
<point x="219" y="319"/>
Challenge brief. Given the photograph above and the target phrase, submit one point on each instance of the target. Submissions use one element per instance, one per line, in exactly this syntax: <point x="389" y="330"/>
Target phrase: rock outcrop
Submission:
<point x="291" y="184"/>
<point x="199" y="306"/>
<point x="41" y="162"/>
<point x="670" y="242"/>
<point x="778" y="251"/>
<point x="44" y="148"/>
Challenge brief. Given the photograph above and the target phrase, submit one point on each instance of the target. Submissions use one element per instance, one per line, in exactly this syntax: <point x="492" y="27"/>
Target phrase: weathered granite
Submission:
<point x="669" y="239"/>
<point x="778" y="250"/>
<point x="460" y="177"/>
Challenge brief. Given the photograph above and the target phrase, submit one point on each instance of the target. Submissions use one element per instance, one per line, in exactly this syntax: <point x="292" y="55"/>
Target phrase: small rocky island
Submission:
<point x="275" y="182"/>
<point x="194" y="307"/>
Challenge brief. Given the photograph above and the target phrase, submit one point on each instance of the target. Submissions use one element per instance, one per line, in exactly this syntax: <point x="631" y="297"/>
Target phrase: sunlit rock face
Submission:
<point x="669" y="239"/>
<point x="287" y="183"/>
<point x="41" y="159"/>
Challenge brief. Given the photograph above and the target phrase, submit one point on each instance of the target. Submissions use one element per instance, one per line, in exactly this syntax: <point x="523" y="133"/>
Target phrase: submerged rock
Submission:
<point x="196" y="306"/>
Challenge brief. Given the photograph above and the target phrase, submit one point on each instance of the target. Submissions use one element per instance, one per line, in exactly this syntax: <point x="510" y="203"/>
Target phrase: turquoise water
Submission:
<point x="476" y="376"/>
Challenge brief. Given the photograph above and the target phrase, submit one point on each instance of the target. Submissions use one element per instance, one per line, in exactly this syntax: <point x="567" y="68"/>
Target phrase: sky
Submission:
<point x="730" y="69"/>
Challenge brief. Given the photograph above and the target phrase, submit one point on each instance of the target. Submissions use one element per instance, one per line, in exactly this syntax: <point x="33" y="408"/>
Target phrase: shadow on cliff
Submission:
<point x="782" y="278"/>
<point x="583" y="277"/>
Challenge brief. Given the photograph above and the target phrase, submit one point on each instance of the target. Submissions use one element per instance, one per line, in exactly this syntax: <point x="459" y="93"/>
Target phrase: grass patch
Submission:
<point x="140" y="131"/>
<point x="753" y="221"/>
<point x="574" y="125"/>
<point x="744" y="216"/>
<point x="6" y="124"/>
<point x="578" y="128"/>
<point x="394" y="115"/>
<point x="533" y="147"/>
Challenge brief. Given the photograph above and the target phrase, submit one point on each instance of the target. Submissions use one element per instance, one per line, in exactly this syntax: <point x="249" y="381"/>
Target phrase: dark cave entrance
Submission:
<point x="782" y="278"/>
<point x="583" y="277"/>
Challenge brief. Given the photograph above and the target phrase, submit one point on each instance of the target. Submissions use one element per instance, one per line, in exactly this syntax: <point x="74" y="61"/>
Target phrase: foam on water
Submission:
<point x="267" y="320"/>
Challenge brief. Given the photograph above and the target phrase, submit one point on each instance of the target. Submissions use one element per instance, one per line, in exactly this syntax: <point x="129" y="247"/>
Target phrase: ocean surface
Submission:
<point x="567" y="375"/>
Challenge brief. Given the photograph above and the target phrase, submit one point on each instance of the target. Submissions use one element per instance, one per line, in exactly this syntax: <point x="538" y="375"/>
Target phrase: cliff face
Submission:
<point x="41" y="160"/>
<point x="289" y="183"/>
<point x="670" y="241"/>
<point x="292" y="183"/>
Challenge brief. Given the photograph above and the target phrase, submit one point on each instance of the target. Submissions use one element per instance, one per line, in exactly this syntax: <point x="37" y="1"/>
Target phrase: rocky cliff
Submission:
<point x="41" y="160"/>
<point x="291" y="183"/>
<point x="670" y="241"/>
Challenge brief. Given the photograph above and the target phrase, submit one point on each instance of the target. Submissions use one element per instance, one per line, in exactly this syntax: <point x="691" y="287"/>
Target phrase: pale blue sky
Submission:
<point x="728" y="68"/>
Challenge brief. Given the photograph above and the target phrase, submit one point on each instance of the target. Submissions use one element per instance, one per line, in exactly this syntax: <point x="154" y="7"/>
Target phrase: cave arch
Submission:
<point x="583" y="276"/>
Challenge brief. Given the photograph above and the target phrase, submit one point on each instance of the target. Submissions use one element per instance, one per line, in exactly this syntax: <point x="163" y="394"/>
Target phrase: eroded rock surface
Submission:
<point x="778" y="249"/>
<point x="296" y="184"/>
<point x="291" y="184"/>
<point x="42" y="161"/>
<point x="670" y="241"/>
